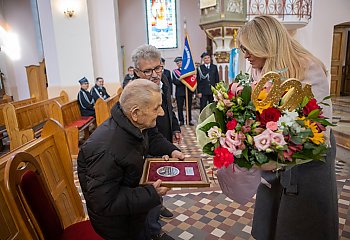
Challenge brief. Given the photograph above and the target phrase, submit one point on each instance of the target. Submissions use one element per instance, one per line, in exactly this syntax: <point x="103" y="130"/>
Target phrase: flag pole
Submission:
<point x="186" y="90"/>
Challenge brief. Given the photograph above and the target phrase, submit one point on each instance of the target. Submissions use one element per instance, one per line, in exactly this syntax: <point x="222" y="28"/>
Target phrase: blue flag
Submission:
<point x="233" y="64"/>
<point x="188" y="70"/>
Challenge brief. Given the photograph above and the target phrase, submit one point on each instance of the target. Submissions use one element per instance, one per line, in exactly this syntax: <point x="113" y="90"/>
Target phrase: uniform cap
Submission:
<point x="204" y="54"/>
<point x="178" y="59"/>
<point x="83" y="80"/>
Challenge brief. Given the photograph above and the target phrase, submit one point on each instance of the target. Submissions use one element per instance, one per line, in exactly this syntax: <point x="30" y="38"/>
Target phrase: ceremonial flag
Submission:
<point x="233" y="64"/>
<point x="188" y="70"/>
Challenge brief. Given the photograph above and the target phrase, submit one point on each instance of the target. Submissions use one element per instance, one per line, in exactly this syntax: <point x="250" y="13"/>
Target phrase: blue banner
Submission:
<point x="233" y="64"/>
<point x="188" y="70"/>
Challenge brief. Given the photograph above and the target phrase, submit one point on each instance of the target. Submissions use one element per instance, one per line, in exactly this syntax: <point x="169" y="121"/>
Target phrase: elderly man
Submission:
<point x="110" y="164"/>
<point x="99" y="91"/>
<point x="147" y="62"/>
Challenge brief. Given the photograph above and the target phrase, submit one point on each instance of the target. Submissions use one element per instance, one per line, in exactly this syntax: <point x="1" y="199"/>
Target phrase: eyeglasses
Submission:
<point x="244" y="50"/>
<point x="148" y="72"/>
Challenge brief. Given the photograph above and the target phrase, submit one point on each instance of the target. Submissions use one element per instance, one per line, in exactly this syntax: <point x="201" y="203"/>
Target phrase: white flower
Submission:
<point x="287" y="119"/>
<point x="214" y="134"/>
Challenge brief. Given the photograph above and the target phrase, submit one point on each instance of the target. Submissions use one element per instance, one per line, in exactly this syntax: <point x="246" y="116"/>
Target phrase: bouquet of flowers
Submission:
<point x="251" y="124"/>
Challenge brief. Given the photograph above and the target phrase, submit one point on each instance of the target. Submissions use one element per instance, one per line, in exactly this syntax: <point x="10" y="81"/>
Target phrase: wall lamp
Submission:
<point x="69" y="12"/>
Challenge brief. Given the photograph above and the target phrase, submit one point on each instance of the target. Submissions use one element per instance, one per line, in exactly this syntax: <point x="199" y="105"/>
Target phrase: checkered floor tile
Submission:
<point x="207" y="214"/>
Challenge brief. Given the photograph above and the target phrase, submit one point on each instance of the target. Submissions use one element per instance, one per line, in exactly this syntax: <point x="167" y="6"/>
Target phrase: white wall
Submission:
<point x="104" y="40"/>
<point x="317" y="36"/>
<point x="132" y="16"/>
<point x="19" y="20"/>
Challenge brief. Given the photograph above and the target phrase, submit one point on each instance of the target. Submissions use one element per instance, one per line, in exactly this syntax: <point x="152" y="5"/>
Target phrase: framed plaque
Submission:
<point x="175" y="173"/>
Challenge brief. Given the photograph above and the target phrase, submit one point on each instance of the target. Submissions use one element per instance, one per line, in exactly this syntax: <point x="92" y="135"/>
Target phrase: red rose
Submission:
<point x="269" y="115"/>
<point x="230" y="125"/>
<point x="222" y="157"/>
<point x="310" y="106"/>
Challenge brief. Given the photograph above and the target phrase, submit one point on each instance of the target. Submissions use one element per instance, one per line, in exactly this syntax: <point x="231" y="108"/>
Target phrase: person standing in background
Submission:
<point x="207" y="76"/>
<point x="180" y="93"/>
<point x="99" y="91"/>
<point x="167" y="73"/>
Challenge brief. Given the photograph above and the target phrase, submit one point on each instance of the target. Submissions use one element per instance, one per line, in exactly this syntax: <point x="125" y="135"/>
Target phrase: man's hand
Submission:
<point x="160" y="190"/>
<point x="199" y="95"/>
<point x="177" y="137"/>
<point x="177" y="154"/>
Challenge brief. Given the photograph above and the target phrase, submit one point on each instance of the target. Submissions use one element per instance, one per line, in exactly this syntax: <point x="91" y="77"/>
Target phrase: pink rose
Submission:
<point x="263" y="140"/>
<point x="272" y="125"/>
<point x="235" y="89"/>
<point x="277" y="138"/>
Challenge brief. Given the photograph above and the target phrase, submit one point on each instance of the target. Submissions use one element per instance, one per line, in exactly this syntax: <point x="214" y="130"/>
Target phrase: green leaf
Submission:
<point x="301" y="122"/>
<point x="209" y="148"/>
<point x="314" y="114"/>
<point x="296" y="140"/>
<point x="326" y="98"/>
<point x="304" y="102"/>
<point x="261" y="158"/>
<point x="245" y="153"/>
<point x="243" y="163"/>
<point x="208" y="126"/>
<point x="324" y="122"/>
<point x="219" y="117"/>
<point x="246" y="94"/>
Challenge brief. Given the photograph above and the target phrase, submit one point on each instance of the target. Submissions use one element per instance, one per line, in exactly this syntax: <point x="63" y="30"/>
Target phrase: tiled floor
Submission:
<point x="207" y="214"/>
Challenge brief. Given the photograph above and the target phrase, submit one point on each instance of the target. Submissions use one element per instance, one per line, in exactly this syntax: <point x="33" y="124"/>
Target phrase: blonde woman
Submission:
<point x="300" y="203"/>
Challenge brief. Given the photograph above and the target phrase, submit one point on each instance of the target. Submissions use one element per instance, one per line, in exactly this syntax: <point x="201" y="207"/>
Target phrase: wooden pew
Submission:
<point x="68" y="115"/>
<point x="103" y="108"/>
<point x="52" y="152"/>
<point x="25" y="122"/>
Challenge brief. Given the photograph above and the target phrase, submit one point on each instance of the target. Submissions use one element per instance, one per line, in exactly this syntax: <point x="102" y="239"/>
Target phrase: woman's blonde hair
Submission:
<point x="266" y="37"/>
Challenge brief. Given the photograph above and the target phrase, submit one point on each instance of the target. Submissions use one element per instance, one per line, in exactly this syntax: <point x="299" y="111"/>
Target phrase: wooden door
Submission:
<point x="345" y="88"/>
<point x="338" y="54"/>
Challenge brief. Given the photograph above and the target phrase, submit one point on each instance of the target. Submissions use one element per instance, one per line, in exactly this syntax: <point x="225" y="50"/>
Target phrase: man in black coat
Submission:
<point x="85" y="100"/>
<point x="110" y="164"/>
<point x="129" y="76"/>
<point x="180" y="93"/>
<point x="207" y="76"/>
<point x="147" y="62"/>
<point x="167" y="74"/>
<point x="99" y="91"/>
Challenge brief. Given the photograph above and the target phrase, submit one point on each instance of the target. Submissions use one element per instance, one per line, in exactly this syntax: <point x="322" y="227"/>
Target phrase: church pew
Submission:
<point x="68" y="115"/>
<point x="25" y="122"/>
<point x="2" y="120"/>
<point x="103" y="108"/>
<point x="52" y="152"/>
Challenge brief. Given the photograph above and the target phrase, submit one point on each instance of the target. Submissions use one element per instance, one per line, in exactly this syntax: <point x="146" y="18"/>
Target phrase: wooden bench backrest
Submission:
<point x="20" y="103"/>
<point x="25" y="118"/>
<point x="51" y="150"/>
<point x="103" y="108"/>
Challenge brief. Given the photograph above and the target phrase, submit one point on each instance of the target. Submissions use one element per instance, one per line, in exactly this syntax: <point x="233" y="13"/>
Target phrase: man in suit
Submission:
<point x="147" y="62"/>
<point x="85" y="100"/>
<point x="129" y="76"/>
<point x="180" y="93"/>
<point x="207" y="76"/>
<point x="167" y="73"/>
<point x="99" y="91"/>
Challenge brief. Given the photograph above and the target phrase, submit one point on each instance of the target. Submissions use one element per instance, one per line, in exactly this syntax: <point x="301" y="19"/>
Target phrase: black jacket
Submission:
<point x="86" y="103"/>
<point x="180" y="87"/>
<point x="207" y="78"/>
<point x="99" y="92"/>
<point x="127" y="79"/>
<point x="167" y="124"/>
<point x="110" y="165"/>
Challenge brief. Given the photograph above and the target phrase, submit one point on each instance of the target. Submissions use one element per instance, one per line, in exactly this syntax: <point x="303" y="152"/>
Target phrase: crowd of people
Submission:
<point x="299" y="203"/>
